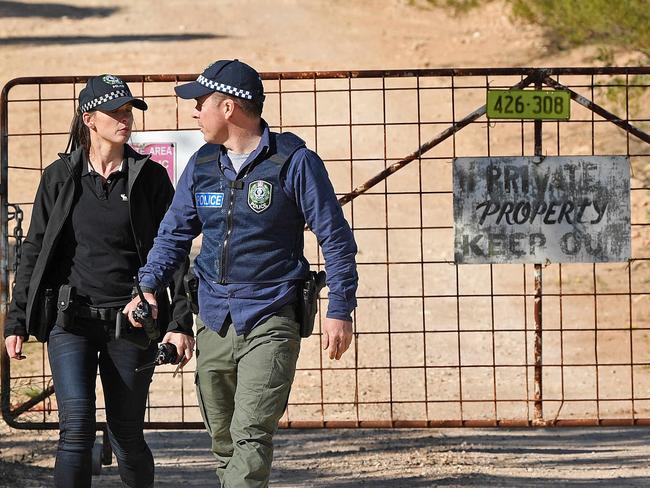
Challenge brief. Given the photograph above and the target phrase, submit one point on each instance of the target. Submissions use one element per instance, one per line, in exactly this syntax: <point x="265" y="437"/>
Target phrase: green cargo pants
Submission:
<point x="243" y="384"/>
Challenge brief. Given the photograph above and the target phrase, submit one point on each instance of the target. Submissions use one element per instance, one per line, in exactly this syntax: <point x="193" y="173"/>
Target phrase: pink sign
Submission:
<point x="161" y="152"/>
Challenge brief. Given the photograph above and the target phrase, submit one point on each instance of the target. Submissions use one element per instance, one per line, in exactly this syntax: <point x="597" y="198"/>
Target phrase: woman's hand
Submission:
<point x="184" y="345"/>
<point x="14" y="345"/>
<point x="133" y="304"/>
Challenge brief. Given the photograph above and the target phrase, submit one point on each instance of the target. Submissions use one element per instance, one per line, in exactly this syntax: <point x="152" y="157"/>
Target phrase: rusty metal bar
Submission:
<point x="47" y="392"/>
<point x="539" y="390"/>
<point x="5" y="374"/>
<point x="300" y="75"/>
<point x="427" y="146"/>
<point x="594" y="107"/>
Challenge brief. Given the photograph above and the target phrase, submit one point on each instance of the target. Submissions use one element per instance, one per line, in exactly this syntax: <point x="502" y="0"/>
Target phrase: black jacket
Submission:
<point x="150" y="193"/>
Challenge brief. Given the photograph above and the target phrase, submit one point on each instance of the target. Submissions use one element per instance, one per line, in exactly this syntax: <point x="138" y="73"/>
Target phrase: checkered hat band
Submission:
<point x="103" y="99"/>
<point x="220" y="87"/>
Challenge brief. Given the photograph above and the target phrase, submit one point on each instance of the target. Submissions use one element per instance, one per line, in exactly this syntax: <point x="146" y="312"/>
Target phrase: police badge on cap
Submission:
<point x="107" y="93"/>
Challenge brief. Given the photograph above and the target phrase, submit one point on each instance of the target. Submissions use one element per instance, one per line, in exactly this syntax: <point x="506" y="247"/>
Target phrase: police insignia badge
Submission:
<point x="112" y="80"/>
<point x="259" y="195"/>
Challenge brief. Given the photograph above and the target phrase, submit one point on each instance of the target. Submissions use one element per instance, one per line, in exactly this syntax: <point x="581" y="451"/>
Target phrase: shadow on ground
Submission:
<point x="67" y="40"/>
<point x="52" y="10"/>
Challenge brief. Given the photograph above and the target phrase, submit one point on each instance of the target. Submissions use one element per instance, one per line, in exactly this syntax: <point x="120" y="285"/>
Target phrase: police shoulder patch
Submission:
<point x="259" y="195"/>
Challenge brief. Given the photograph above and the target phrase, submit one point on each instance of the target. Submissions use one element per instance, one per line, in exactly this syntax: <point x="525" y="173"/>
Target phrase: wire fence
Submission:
<point x="436" y="343"/>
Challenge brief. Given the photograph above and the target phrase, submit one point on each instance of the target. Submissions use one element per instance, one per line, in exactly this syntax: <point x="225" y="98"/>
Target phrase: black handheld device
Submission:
<point x="141" y="337"/>
<point x="142" y="314"/>
<point x="166" y="354"/>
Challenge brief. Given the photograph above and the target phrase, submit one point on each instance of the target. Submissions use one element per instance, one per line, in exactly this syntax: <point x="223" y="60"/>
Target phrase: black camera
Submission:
<point x="167" y="354"/>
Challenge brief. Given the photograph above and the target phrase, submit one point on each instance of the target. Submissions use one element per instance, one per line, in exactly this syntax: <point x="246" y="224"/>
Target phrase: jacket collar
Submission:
<point x="134" y="162"/>
<point x="73" y="161"/>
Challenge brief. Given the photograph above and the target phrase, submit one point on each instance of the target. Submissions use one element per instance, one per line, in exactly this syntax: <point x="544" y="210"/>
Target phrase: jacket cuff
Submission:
<point x="16" y="330"/>
<point x="145" y="289"/>
<point x="176" y="327"/>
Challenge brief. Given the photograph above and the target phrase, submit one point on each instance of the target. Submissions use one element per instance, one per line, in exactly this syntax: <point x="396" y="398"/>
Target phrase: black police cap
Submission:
<point x="231" y="77"/>
<point x="107" y="93"/>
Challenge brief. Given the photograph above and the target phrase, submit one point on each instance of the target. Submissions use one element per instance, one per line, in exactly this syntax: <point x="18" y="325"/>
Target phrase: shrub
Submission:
<point x="618" y="24"/>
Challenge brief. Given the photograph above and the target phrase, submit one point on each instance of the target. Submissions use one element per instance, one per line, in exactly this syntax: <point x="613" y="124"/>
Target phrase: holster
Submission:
<point x="191" y="284"/>
<point x="66" y="305"/>
<point x="308" y="301"/>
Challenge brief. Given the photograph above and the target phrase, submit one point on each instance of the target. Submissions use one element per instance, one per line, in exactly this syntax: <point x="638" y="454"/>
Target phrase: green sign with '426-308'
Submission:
<point x="528" y="104"/>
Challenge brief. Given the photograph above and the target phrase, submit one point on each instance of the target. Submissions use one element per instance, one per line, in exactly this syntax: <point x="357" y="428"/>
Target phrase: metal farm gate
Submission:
<point x="436" y="344"/>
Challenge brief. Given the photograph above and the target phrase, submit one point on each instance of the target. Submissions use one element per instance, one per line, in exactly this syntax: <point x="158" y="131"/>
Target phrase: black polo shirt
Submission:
<point x="97" y="253"/>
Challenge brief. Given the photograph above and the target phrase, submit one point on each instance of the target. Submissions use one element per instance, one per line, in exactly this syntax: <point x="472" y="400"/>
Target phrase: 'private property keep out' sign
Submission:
<point x="535" y="210"/>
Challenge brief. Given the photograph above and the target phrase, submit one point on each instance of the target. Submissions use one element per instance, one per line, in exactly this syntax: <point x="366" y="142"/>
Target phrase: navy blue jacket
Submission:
<point x="272" y="202"/>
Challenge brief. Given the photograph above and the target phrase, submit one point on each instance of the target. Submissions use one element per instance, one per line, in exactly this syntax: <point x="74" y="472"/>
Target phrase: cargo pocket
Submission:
<point x="275" y="397"/>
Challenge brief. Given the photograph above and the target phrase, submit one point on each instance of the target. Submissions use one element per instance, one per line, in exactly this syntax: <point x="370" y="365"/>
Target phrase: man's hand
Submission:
<point x="132" y="305"/>
<point x="184" y="345"/>
<point x="337" y="336"/>
<point x="14" y="345"/>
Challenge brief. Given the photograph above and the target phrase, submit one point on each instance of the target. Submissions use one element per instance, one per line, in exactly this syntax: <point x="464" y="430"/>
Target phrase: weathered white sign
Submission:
<point x="536" y="210"/>
<point x="171" y="148"/>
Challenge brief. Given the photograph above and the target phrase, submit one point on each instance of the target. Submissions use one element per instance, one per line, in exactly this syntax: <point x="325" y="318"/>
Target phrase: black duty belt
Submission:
<point x="87" y="312"/>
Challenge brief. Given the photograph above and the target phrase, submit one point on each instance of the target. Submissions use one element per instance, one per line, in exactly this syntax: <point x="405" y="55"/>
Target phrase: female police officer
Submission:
<point x="95" y="216"/>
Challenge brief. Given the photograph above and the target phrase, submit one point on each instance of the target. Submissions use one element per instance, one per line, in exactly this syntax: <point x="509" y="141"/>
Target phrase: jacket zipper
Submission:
<point x="142" y="260"/>
<point x="61" y="222"/>
<point x="224" y="251"/>
<point x="236" y="184"/>
<point x="132" y="207"/>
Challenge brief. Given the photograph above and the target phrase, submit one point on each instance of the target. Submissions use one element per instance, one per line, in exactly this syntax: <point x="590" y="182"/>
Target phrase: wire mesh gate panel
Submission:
<point x="436" y="344"/>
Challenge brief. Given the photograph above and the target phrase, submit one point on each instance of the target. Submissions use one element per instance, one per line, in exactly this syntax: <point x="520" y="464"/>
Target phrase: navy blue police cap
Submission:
<point x="231" y="77"/>
<point x="107" y="93"/>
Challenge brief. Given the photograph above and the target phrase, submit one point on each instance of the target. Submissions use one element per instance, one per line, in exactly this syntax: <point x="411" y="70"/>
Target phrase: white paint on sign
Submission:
<point x="560" y="209"/>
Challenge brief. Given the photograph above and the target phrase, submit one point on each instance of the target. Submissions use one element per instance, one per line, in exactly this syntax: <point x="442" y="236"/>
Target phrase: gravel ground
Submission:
<point x="599" y="457"/>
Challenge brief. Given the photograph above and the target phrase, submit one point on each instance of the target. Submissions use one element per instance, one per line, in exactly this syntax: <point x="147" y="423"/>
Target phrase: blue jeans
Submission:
<point x="74" y="358"/>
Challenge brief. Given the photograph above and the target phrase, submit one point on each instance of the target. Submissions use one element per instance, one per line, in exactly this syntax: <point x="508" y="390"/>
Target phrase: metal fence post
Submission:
<point x="539" y="410"/>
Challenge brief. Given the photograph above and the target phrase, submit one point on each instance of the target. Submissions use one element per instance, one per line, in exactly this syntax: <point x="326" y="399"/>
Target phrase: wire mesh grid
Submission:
<point x="436" y="344"/>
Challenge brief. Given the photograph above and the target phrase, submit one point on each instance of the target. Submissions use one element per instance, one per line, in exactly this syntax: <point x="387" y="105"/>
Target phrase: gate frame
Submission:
<point x="531" y="76"/>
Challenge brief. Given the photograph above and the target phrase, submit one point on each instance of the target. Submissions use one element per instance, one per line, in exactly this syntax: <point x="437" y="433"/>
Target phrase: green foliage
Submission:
<point x="32" y="391"/>
<point x="457" y="6"/>
<point x="612" y="24"/>
<point x="571" y="23"/>
<point x="622" y="92"/>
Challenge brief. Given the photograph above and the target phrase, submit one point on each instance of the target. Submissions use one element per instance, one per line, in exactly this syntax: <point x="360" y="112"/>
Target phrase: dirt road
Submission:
<point x="606" y="457"/>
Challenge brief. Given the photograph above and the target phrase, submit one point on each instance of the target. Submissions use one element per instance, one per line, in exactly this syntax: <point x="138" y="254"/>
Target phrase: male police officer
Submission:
<point x="250" y="191"/>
